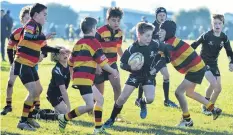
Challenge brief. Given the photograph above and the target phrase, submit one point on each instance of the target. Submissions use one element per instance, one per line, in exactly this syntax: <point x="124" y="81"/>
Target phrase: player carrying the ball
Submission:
<point x="141" y="71"/>
<point x="186" y="61"/>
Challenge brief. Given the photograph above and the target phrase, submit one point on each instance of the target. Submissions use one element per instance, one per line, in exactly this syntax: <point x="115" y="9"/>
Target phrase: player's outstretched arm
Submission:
<point x="200" y="40"/>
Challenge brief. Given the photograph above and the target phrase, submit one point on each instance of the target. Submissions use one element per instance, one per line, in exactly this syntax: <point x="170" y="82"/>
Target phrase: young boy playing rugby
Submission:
<point x="140" y="74"/>
<point x="110" y="37"/>
<point x="212" y="42"/>
<point x="11" y="51"/>
<point x="186" y="61"/>
<point x="87" y="53"/>
<point x="160" y="17"/>
<point x="30" y="45"/>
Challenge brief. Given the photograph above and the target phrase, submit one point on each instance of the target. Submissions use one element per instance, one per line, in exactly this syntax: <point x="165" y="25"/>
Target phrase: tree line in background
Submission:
<point x="190" y="23"/>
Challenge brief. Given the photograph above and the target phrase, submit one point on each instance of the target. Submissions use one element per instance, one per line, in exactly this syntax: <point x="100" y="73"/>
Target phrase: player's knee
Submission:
<point x="90" y="106"/>
<point x="189" y="93"/>
<point x="149" y="100"/>
<point x="100" y="100"/>
<point x="213" y="84"/>
<point x="166" y="76"/>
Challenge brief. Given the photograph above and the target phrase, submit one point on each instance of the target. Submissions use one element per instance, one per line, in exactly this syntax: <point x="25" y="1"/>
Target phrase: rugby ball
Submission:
<point x="136" y="59"/>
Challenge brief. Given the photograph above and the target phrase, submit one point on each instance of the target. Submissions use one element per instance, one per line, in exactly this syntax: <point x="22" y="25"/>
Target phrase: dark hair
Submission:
<point x="88" y="24"/>
<point x="143" y="27"/>
<point x="37" y="8"/>
<point x="219" y="16"/>
<point x="114" y="12"/>
<point x="24" y="10"/>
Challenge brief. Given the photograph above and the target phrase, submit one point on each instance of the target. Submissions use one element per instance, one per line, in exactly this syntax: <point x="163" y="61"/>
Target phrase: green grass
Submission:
<point x="160" y="120"/>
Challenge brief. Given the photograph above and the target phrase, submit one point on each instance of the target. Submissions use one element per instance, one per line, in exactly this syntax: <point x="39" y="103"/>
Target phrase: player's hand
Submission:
<point x="153" y="71"/>
<point x="115" y="73"/>
<point x="98" y="70"/>
<point x="50" y="35"/>
<point x="231" y="67"/>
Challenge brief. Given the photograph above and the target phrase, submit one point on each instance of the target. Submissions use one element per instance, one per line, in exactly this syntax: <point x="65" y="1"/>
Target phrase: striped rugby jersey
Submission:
<point x="109" y="41"/>
<point x="14" y="39"/>
<point x="30" y="43"/>
<point x="86" y="54"/>
<point x="183" y="56"/>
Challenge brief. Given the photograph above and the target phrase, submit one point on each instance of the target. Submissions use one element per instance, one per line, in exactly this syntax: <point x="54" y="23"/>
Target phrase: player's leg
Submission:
<point x="98" y="110"/>
<point x="87" y="95"/>
<point x="212" y="85"/>
<point x="217" y="90"/>
<point x="166" y="84"/>
<point x="127" y="91"/>
<point x="149" y="92"/>
<point x="27" y="77"/>
<point x="140" y="93"/>
<point x="115" y="82"/>
<point x="61" y="108"/>
<point x="38" y="92"/>
<point x="9" y="91"/>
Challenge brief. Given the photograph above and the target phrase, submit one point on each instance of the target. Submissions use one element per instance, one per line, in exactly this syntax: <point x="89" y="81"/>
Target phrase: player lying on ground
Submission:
<point x="212" y="42"/>
<point x="87" y="53"/>
<point x="140" y="71"/>
<point x="161" y="16"/>
<point x="186" y="61"/>
<point x="31" y="43"/>
<point x="11" y="51"/>
<point x="110" y="37"/>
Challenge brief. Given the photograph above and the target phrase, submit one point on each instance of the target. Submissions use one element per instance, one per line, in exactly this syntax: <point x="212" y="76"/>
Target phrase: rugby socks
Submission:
<point x="74" y="113"/>
<point x="31" y="110"/>
<point x="37" y="103"/>
<point x="26" y="109"/>
<point x="8" y="101"/>
<point x="166" y="89"/>
<point x="116" y="110"/>
<point x="98" y="116"/>
<point x="140" y="91"/>
<point x="210" y="106"/>
<point x="186" y="116"/>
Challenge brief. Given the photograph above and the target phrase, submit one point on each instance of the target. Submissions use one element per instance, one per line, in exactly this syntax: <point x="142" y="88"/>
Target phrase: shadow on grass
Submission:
<point x="5" y="68"/>
<point x="227" y="115"/>
<point x="153" y="129"/>
<point x="9" y="133"/>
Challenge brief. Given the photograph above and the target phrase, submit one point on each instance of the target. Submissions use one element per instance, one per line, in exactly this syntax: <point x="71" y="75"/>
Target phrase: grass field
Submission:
<point x="160" y="120"/>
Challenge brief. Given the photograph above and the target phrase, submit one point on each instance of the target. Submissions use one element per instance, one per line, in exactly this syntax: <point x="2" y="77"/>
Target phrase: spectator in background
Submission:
<point x="3" y="33"/>
<point x="67" y="31"/>
<point x="9" y="23"/>
<point x="71" y="33"/>
<point x="144" y="19"/>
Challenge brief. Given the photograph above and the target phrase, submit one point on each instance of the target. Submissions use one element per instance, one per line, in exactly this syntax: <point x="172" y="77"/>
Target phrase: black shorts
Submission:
<point x="26" y="73"/>
<point x="54" y="99"/>
<point x="135" y="81"/>
<point x="213" y="69"/>
<point x="196" y="77"/>
<point x="83" y="89"/>
<point x="104" y="76"/>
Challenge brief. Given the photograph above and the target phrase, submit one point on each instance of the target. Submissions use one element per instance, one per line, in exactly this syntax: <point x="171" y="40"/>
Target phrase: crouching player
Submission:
<point x="57" y="92"/>
<point x="186" y="61"/>
<point x="140" y="73"/>
<point x="87" y="53"/>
